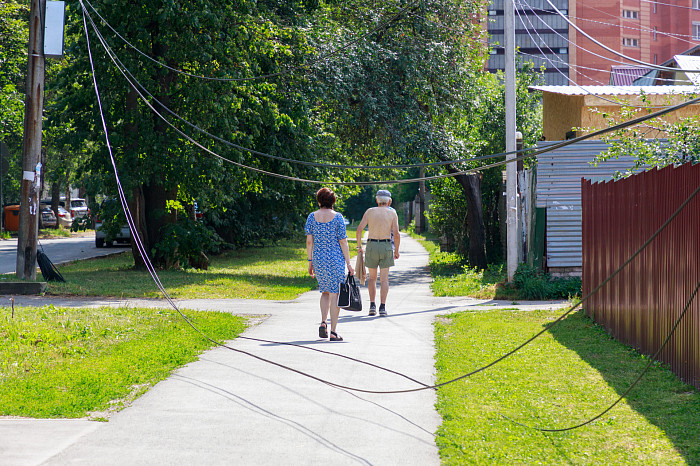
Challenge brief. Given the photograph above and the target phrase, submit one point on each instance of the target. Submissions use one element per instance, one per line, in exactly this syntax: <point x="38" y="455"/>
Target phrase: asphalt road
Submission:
<point x="58" y="250"/>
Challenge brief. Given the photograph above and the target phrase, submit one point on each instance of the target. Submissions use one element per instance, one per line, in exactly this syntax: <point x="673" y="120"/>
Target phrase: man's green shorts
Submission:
<point x="379" y="254"/>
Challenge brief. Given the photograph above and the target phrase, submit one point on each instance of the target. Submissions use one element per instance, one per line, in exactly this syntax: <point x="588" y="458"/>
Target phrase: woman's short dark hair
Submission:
<point x="325" y="198"/>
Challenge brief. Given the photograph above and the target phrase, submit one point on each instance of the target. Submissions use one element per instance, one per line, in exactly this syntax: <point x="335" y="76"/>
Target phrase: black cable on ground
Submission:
<point x="48" y="269"/>
<point x="652" y="360"/>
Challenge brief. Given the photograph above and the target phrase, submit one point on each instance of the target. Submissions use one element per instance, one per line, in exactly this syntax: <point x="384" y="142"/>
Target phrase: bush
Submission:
<point x="533" y="284"/>
<point x="186" y="243"/>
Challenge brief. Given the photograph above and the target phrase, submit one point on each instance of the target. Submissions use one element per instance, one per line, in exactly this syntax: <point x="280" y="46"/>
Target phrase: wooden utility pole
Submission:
<point x="31" y="153"/>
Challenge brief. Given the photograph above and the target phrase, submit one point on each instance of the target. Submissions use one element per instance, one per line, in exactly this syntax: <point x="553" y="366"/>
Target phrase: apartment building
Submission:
<point x="541" y="36"/>
<point x="647" y="30"/>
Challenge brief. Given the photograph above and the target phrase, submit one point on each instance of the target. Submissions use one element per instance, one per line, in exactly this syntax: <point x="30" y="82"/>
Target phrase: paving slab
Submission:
<point x="232" y="408"/>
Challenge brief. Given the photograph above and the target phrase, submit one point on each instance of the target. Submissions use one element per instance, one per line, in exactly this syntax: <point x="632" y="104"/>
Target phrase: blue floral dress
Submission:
<point x="328" y="260"/>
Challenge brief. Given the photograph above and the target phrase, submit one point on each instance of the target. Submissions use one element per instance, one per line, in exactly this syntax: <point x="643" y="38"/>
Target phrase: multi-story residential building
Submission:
<point x="647" y="30"/>
<point x="652" y="31"/>
<point x="541" y="36"/>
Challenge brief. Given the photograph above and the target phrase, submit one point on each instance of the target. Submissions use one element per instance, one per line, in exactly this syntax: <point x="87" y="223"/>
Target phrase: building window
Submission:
<point x="630" y="42"/>
<point x="630" y="14"/>
<point x="654" y="5"/>
<point x="696" y="31"/>
<point x="696" y="4"/>
<point x="654" y="34"/>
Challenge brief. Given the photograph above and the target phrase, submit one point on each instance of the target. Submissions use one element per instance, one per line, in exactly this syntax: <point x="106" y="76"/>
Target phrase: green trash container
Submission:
<point x="12" y="218"/>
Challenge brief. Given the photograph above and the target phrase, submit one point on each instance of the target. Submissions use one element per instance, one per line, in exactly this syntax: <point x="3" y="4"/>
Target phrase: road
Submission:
<point x="58" y="250"/>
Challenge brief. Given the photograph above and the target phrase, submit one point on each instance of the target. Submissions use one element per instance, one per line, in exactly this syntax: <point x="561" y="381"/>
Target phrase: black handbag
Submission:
<point x="349" y="296"/>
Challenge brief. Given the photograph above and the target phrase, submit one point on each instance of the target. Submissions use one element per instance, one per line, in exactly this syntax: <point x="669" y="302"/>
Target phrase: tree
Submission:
<point x="14" y="33"/>
<point x="474" y="225"/>
<point x="159" y="168"/>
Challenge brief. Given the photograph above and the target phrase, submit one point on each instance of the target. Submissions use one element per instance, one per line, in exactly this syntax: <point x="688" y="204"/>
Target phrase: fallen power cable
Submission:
<point x="48" y="269"/>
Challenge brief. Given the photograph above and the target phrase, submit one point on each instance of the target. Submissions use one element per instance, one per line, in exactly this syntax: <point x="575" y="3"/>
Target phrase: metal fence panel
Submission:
<point x="640" y="305"/>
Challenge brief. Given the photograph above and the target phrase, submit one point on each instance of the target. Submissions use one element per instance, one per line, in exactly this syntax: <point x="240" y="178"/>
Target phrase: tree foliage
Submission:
<point x="655" y="143"/>
<point x="14" y="34"/>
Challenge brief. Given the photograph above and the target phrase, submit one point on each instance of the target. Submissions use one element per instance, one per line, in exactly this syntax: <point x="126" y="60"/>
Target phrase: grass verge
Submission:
<point x="276" y="272"/>
<point x="565" y="377"/>
<point x="60" y="362"/>
<point x="451" y="278"/>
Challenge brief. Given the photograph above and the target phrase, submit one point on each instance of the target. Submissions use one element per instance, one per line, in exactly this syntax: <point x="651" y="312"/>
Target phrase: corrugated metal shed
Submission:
<point x="559" y="176"/>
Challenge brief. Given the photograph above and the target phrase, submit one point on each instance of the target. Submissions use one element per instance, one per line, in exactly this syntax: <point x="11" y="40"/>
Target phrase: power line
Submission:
<point x="575" y="67"/>
<point x="669" y="4"/>
<point x="531" y="153"/>
<point x="609" y="49"/>
<point x="547" y="58"/>
<point x="120" y="65"/>
<point x="652" y="360"/>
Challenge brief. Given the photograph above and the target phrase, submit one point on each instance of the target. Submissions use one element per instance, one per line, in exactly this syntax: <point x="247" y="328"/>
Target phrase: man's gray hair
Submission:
<point x="383" y="199"/>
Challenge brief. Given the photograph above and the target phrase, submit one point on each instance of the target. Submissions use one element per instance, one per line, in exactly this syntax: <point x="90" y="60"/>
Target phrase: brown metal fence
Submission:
<point x="640" y="305"/>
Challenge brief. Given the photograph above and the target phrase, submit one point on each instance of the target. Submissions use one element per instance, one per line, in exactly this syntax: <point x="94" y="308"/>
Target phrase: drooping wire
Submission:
<point x="652" y="360"/>
<point x="577" y="67"/>
<point x="151" y="269"/>
<point x="381" y="25"/>
<point x="133" y="81"/>
<point x="531" y="153"/>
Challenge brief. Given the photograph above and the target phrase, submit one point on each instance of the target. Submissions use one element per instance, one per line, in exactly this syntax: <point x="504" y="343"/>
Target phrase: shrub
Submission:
<point x="533" y="284"/>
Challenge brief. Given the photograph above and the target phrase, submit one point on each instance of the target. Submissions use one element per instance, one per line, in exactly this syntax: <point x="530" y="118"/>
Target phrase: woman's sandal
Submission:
<point x="322" y="332"/>
<point x="335" y="337"/>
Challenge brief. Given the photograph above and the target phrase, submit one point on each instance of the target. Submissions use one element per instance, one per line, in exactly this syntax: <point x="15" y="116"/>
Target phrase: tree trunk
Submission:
<point x="474" y="222"/>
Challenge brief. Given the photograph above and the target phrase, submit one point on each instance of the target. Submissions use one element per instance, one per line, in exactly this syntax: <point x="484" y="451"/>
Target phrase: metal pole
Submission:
<point x="31" y="152"/>
<point x="511" y="167"/>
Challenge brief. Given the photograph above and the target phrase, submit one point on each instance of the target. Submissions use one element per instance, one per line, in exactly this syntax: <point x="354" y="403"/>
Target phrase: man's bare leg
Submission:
<point x="384" y="281"/>
<point x="372" y="288"/>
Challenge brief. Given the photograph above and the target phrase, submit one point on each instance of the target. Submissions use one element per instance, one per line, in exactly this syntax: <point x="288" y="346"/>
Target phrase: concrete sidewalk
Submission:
<point x="231" y="408"/>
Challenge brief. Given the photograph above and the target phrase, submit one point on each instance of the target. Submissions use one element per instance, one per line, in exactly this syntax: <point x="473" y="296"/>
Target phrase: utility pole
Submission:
<point x="31" y="152"/>
<point x="511" y="167"/>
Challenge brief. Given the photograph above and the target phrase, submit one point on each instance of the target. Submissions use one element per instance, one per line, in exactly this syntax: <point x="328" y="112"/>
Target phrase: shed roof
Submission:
<point x="625" y="75"/>
<point x="616" y="90"/>
<point x="687" y="62"/>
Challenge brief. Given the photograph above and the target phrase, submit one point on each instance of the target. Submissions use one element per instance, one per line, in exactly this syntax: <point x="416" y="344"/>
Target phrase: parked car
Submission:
<point x="47" y="219"/>
<point x="78" y="207"/>
<point x="64" y="218"/>
<point x="105" y="234"/>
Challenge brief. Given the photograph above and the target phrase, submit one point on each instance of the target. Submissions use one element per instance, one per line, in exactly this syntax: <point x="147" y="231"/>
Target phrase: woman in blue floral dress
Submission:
<point x="326" y="250"/>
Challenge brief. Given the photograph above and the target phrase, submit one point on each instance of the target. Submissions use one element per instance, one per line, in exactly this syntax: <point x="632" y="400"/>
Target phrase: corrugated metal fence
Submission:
<point x="640" y="305"/>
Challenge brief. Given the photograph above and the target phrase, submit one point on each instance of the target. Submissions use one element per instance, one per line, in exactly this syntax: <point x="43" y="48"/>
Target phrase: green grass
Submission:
<point x="59" y="232"/>
<point x="568" y="375"/>
<point x="452" y="278"/>
<point x="275" y="272"/>
<point x="71" y="363"/>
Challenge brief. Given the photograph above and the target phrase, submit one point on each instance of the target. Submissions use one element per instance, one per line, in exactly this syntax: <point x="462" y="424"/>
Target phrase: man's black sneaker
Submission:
<point x="373" y="309"/>
<point x="382" y="311"/>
